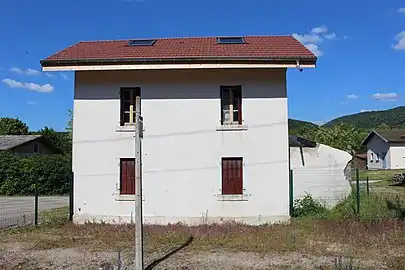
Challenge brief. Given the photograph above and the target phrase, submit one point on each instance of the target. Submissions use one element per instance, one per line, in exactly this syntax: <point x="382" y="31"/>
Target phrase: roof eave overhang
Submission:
<point x="373" y="132"/>
<point x="177" y="63"/>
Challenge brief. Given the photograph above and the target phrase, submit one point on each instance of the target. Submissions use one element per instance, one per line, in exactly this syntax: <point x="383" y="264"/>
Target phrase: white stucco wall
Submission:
<point x="397" y="156"/>
<point x="377" y="145"/>
<point x="322" y="174"/>
<point x="182" y="149"/>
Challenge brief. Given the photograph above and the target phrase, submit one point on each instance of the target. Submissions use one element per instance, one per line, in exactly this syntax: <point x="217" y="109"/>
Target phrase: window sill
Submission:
<point x="125" y="128"/>
<point x="239" y="197"/>
<point x="131" y="198"/>
<point x="227" y="127"/>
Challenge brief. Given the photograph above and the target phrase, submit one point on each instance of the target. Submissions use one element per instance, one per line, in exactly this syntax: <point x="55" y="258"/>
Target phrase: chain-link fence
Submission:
<point x="21" y="211"/>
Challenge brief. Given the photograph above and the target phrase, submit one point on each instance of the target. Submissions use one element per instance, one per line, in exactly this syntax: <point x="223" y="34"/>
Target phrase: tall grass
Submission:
<point x="373" y="208"/>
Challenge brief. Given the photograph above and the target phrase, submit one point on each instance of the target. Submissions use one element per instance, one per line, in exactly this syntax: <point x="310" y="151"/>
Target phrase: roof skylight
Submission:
<point x="230" y="40"/>
<point x="141" y="42"/>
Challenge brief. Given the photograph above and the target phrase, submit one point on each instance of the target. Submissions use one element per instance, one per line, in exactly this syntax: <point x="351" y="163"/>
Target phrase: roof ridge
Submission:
<point x="184" y="37"/>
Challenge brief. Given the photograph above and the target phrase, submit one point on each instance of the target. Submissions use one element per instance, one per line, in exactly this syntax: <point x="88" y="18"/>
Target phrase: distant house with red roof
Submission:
<point x="215" y="127"/>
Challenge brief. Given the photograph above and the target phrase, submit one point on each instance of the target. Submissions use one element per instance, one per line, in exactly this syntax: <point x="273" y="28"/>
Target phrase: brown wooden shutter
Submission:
<point x="232" y="176"/>
<point x="127" y="185"/>
<point x="239" y="92"/>
<point x="122" y="109"/>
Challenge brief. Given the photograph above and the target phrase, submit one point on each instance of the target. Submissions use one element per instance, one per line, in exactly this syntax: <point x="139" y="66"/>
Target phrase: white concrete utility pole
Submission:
<point x="138" y="187"/>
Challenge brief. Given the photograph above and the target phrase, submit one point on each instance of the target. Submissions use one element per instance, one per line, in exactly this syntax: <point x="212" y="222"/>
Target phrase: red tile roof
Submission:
<point x="194" y="48"/>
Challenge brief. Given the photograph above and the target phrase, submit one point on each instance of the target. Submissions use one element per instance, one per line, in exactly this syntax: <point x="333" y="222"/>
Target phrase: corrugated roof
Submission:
<point x="8" y="142"/>
<point x="295" y="141"/>
<point x="257" y="47"/>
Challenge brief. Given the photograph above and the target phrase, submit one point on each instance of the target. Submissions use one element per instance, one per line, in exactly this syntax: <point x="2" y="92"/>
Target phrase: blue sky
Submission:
<point x="361" y="47"/>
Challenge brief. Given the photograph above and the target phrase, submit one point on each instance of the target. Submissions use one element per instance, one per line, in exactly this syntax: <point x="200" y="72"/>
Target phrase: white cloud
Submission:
<point x="330" y="36"/>
<point x="64" y="76"/>
<point x="28" y="71"/>
<point x="316" y="36"/>
<point x="401" y="10"/>
<point x="13" y="83"/>
<point x="319" y="29"/>
<point x="364" y="110"/>
<point x="385" y="96"/>
<point x="352" y="96"/>
<point x="44" y="88"/>
<point x="314" y="49"/>
<point x="320" y="123"/>
<point x="50" y="75"/>
<point x="400" y="38"/>
<point x="307" y="38"/>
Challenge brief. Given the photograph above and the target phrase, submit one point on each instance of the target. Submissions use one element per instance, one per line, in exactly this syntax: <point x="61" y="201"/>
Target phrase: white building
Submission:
<point x="215" y="143"/>
<point x="385" y="149"/>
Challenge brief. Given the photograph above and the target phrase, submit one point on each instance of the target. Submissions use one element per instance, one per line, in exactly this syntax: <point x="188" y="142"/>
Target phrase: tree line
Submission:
<point x="343" y="136"/>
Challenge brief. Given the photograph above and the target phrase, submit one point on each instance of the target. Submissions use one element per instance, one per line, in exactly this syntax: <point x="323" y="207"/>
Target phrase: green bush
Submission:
<point x="373" y="208"/>
<point x="308" y="207"/>
<point x="50" y="174"/>
<point x="397" y="206"/>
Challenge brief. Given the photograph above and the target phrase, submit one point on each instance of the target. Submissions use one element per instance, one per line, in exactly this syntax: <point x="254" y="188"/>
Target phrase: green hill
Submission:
<point x="394" y="118"/>
<point x="296" y="126"/>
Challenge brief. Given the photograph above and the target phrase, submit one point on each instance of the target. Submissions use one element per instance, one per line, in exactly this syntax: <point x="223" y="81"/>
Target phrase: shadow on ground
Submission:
<point x="153" y="264"/>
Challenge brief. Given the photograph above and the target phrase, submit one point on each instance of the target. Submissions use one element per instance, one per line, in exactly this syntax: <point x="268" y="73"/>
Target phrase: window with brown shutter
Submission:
<point x="127" y="179"/>
<point x="128" y="102"/>
<point x="231" y="105"/>
<point x="232" y="176"/>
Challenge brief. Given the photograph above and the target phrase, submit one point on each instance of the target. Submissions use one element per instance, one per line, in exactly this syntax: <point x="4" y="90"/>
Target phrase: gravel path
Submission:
<point x="19" y="256"/>
<point x="19" y="211"/>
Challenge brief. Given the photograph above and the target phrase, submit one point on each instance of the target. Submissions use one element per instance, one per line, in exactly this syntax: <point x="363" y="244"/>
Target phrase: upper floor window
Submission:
<point x="231" y="105"/>
<point x="128" y="102"/>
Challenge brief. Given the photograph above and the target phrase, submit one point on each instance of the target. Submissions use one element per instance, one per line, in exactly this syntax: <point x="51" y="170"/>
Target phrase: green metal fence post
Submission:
<point x="36" y="205"/>
<point x="358" y="191"/>
<point x="71" y="190"/>
<point x="291" y="191"/>
<point x="368" y="187"/>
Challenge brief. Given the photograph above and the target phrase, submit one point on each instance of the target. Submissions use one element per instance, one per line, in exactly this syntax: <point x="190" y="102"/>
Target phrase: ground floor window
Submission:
<point x="232" y="176"/>
<point x="127" y="177"/>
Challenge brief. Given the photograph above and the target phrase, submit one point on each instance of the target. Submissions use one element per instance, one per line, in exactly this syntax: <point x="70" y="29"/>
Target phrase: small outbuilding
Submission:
<point x="319" y="170"/>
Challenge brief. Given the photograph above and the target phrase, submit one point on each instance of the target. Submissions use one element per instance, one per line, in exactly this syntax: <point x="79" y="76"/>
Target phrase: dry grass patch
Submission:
<point x="381" y="241"/>
<point x="320" y="237"/>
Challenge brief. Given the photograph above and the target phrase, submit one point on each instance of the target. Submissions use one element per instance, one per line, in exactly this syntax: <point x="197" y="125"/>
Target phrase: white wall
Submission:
<point x="397" y="156"/>
<point x="182" y="149"/>
<point x="377" y="145"/>
<point x="322" y="174"/>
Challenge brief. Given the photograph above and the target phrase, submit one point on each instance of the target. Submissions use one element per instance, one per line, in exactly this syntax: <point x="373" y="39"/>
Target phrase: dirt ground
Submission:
<point x="21" y="256"/>
<point x="300" y="244"/>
